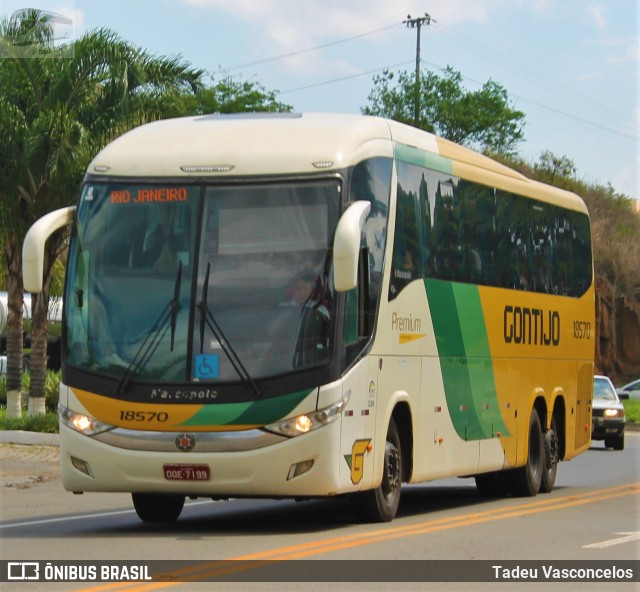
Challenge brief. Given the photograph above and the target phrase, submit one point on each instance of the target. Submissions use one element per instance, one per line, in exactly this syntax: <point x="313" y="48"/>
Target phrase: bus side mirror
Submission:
<point x="346" y="246"/>
<point x="33" y="246"/>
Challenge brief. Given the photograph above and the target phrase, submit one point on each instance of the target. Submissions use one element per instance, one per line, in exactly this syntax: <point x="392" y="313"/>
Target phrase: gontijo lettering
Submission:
<point x="148" y="195"/>
<point x="531" y="326"/>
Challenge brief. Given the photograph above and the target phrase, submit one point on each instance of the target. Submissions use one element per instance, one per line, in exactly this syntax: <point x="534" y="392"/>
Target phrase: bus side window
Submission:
<point x="514" y="242"/>
<point x="371" y="181"/>
<point x="479" y="232"/>
<point x="407" y="258"/>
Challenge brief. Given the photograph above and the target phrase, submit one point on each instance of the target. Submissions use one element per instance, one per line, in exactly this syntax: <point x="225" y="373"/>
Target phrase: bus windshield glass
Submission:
<point x="138" y="308"/>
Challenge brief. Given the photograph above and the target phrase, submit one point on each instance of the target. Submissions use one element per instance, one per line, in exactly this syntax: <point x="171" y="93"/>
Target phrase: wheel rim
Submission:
<point x="536" y="452"/>
<point x="391" y="478"/>
<point x="551" y="449"/>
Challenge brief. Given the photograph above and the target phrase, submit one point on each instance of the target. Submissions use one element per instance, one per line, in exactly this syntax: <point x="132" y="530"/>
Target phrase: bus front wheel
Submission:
<point x="381" y="504"/>
<point x="154" y="507"/>
<point x="525" y="481"/>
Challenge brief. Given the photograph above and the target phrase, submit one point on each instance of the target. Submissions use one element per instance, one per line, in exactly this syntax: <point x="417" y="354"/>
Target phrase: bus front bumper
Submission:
<point x="304" y="466"/>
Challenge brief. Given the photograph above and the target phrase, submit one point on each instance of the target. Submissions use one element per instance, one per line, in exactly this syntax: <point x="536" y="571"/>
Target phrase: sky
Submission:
<point x="572" y="66"/>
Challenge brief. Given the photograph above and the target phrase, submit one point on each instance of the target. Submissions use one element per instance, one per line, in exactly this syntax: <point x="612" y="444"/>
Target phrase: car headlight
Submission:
<point x="85" y="424"/>
<point x="613" y="413"/>
<point x="307" y="422"/>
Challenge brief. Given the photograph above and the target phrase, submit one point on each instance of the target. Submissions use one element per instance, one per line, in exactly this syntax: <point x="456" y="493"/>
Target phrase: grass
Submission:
<point x="47" y="423"/>
<point x="632" y="410"/>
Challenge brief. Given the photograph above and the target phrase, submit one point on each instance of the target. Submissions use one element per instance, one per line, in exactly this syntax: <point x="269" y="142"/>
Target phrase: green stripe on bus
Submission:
<point x="261" y="412"/>
<point x="432" y="161"/>
<point x="465" y="359"/>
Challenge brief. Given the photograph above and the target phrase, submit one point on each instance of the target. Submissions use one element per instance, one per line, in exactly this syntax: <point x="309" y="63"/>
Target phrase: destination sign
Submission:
<point x="149" y="195"/>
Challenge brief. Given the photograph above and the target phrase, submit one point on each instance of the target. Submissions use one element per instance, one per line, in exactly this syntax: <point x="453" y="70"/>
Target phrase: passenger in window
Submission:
<point x="406" y="270"/>
<point x="299" y="289"/>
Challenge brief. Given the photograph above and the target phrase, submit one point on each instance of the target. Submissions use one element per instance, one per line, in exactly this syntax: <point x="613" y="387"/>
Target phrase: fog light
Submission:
<point x="299" y="469"/>
<point x="82" y="466"/>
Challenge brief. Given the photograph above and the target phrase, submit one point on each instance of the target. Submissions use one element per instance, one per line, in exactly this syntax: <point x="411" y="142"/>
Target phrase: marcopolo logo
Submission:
<point x="185" y="442"/>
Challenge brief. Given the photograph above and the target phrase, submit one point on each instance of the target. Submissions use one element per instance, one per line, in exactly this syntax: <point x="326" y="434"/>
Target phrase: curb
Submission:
<point x="29" y="438"/>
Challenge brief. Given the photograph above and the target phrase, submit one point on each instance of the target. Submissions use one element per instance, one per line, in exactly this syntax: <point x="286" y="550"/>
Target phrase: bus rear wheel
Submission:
<point x="381" y="504"/>
<point x="525" y="481"/>
<point x="155" y="507"/>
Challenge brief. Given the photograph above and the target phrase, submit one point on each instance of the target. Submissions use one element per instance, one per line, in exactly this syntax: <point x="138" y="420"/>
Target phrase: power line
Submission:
<point x="475" y="47"/>
<point x="343" y="78"/>
<point x="612" y="132"/>
<point x="309" y="49"/>
<point x="527" y="73"/>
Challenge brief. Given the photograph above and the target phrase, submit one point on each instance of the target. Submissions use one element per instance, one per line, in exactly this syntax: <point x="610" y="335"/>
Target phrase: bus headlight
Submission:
<point x="85" y="424"/>
<point x="307" y="422"/>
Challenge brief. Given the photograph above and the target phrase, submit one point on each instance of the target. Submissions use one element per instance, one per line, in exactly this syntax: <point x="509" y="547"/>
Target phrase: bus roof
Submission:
<point x="256" y="144"/>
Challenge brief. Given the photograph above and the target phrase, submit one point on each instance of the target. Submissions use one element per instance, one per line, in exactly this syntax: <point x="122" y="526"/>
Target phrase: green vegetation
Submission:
<point x="47" y="423"/>
<point x="482" y="119"/>
<point x="632" y="409"/>
<point x="51" y="391"/>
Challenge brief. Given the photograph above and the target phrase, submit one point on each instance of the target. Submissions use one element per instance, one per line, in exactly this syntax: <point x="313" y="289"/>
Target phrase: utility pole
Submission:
<point x="416" y="23"/>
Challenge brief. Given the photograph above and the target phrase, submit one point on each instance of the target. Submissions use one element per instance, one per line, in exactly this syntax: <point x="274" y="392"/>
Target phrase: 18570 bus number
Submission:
<point x="130" y="415"/>
<point x="581" y="330"/>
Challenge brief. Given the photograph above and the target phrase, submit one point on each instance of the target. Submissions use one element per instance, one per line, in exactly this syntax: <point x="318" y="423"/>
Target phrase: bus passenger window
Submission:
<point x="407" y="261"/>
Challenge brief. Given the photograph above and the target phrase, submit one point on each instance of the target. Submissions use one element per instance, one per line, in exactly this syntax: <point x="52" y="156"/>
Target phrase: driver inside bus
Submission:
<point x="157" y="249"/>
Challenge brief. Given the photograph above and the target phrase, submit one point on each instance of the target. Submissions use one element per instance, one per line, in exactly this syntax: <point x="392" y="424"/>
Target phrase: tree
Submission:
<point x="56" y="113"/>
<point x="481" y="119"/>
<point x="230" y="96"/>
<point x="553" y="168"/>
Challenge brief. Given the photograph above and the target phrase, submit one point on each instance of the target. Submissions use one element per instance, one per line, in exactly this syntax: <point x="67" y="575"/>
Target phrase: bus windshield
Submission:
<point x="137" y="304"/>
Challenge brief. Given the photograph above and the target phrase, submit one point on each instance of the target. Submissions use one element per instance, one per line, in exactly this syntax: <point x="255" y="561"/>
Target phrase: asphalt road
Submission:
<point x="592" y="514"/>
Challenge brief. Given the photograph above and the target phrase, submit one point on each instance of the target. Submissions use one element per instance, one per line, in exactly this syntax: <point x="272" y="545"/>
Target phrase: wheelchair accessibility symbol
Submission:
<point x="206" y="366"/>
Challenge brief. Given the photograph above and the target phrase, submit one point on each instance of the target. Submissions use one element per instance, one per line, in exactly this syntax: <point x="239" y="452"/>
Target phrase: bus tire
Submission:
<point x="551" y="457"/>
<point x="381" y="504"/>
<point x="525" y="481"/>
<point x="155" y="507"/>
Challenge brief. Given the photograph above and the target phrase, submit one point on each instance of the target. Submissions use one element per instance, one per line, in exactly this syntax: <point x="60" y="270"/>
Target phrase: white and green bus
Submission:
<point x="310" y="305"/>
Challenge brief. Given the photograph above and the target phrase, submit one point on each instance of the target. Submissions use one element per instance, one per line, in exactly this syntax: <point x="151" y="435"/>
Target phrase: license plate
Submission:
<point x="184" y="472"/>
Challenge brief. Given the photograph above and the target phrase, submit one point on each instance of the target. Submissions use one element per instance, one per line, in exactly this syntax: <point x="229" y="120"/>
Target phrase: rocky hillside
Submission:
<point x="618" y="333"/>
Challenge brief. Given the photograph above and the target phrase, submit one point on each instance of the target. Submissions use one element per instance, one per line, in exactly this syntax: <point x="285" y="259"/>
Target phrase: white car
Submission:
<point x="608" y="414"/>
<point x="630" y="391"/>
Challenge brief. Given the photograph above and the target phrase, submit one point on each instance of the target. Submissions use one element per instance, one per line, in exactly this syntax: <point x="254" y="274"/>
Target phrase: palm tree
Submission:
<point x="57" y="112"/>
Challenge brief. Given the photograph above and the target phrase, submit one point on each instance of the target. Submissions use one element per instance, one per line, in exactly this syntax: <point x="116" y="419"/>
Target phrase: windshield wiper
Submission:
<point x="207" y="318"/>
<point x="155" y="335"/>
